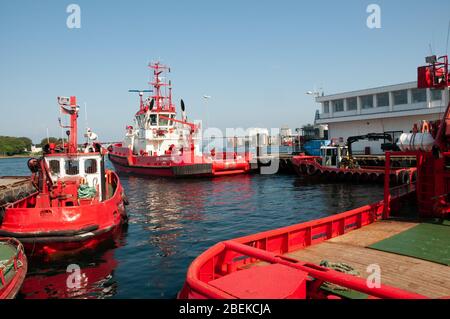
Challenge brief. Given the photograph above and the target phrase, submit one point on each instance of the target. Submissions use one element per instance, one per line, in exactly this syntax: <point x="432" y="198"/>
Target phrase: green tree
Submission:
<point x="10" y="145"/>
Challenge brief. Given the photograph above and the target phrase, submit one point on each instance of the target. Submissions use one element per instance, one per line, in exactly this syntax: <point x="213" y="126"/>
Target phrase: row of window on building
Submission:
<point x="382" y="100"/>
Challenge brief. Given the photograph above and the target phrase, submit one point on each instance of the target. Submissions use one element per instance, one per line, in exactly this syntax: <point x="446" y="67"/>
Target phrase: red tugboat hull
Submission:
<point x="180" y="166"/>
<point x="14" y="269"/>
<point x="54" y="230"/>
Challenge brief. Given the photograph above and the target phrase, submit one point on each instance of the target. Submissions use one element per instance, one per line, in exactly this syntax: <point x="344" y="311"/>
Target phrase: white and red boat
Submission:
<point x="162" y="145"/>
<point x="78" y="202"/>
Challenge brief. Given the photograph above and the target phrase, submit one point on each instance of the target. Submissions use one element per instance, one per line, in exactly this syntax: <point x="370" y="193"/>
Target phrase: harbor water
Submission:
<point x="171" y="221"/>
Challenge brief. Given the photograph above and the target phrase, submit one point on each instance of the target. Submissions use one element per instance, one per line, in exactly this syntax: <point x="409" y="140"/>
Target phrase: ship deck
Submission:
<point x="416" y="275"/>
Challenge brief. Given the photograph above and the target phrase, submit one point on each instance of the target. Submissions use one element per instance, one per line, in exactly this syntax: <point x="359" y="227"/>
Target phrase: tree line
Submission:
<point x="10" y="145"/>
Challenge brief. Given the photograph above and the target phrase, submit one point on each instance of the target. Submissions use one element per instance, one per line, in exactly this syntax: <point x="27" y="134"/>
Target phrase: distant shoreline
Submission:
<point x="15" y="156"/>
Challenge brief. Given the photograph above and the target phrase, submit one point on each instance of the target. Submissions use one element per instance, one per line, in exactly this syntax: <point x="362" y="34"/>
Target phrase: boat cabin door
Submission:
<point x="332" y="155"/>
<point x="329" y="156"/>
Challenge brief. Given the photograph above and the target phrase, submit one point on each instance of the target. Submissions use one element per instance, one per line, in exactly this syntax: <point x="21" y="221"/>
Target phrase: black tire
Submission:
<point x="311" y="170"/>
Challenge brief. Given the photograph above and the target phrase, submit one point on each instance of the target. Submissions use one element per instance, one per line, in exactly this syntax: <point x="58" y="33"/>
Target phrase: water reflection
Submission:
<point x="88" y="274"/>
<point x="166" y="208"/>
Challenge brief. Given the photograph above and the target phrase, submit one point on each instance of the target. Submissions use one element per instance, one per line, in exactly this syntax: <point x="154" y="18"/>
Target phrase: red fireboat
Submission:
<point x="78" y="202"/>
<point x="161" y="145"/>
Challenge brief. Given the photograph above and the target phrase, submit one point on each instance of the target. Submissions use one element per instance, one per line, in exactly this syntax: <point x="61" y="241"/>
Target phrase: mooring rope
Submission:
<point x="341" y="267"/>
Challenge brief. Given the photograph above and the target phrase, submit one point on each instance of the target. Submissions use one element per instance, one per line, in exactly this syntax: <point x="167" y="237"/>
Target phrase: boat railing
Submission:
<point x="402" y="190"/>
<point x="14" y="260"/>
<point x="272" y="247"/>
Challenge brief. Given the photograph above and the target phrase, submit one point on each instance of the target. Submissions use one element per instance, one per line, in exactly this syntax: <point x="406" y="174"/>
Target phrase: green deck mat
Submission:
<point x="427" y="241"/>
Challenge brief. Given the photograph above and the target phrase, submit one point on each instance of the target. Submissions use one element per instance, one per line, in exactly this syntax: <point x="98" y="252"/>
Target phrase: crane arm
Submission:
<point x="369" y="137"/>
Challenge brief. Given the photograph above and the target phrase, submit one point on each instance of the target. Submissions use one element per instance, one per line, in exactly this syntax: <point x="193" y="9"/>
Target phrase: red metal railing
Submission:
<point x="229" y="256"/>
<point x="14" y="260"/>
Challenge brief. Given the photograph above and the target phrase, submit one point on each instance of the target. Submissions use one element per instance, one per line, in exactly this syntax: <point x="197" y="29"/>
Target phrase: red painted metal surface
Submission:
<point x="10" y="287"/>
<point x="53" y="229"/>
<point x="274" y="281"/>
<point x="229" y="257"/>
<point x="221" y="164"/>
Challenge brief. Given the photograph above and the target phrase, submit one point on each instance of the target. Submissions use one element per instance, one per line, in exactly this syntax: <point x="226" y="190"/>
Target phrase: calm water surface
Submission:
<point x="173" y="221"/>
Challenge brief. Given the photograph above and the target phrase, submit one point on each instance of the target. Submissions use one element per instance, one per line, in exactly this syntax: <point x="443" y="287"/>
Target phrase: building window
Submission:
<point x="72" y="167"/>
<point x="326" y="107"/>
<point x="90" y="166"/>
<point x="400" y="97"/>
<point x="338" y="105"/>
<point x="367" y="101"/>
<point x="383" y="99"/>
<point x="352" y="104"/>
<point x="436" y="95"/>
<point x="419" y="95"/>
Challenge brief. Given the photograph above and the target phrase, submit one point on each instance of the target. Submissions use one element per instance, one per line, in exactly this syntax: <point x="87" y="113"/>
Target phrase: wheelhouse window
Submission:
<point x="54" y="167"/>
<point x="72" y="167"/>
<point x="90" y="166"/>
<point x="400" y="97"/>
<point x="352" y="104"/>
<point x="367" y="101"/>
<point x="383" y="99"/>
<point x="338" y="105"/>
<point x="419" y="95"/>
<point x="153" y="120"/>
<point x="164" y="121"/>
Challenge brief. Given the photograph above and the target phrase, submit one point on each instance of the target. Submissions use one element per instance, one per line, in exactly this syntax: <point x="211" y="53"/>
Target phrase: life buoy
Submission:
<point x="303" y="168"/>
<point x="364" y="177"/>
<point x="82" y="181"/>
<point x="311" y="170"/>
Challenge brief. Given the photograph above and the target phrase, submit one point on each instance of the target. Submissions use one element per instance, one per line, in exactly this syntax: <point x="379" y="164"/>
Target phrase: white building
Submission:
<point x="35" y="149"/>
<point x="394" y="108"/>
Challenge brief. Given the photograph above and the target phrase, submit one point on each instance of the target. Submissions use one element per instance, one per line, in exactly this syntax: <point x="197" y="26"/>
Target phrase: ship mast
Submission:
<point x="162" y="102"/>
<point x="73" y="109"/>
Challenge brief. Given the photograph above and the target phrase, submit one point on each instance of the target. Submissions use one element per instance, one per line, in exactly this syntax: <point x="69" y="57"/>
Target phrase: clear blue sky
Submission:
<point x="255" y="58"/>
